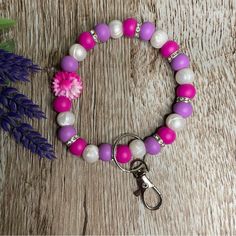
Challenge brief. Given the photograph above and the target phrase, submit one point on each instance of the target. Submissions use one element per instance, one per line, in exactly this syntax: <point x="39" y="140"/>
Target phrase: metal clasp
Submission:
<point x="138" y="168"/>
<point x="144" y="184"/>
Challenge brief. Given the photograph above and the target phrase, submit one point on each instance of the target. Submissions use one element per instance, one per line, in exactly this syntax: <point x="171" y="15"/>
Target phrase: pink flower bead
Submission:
<point x="78" y="147"/>
<point x="168" y="48"/>
<point x="123" y="153"/>
<point x="61" y="104"/>
<point x="166" y="134"/>
<point x="186" y="90"/>
<point x="129" y="27"/>
<point x="67" y="84"/>
<point x="86" y="40"/>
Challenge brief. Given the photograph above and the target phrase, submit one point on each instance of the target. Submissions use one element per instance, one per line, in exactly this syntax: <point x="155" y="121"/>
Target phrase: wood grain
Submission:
<point x="128" y="88"/>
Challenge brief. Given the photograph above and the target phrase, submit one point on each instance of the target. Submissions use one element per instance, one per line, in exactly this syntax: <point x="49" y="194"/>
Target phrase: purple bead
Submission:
<point x="69" y="64"/>
<point x="105" y="152"/>
<point x="66" y="132"/>
<point x="180" y="62"/>
<point x="147" y="30"/>
<point x="103" y="32"/>
<point x="152" y="146"/>
<point x="184" y="109"/>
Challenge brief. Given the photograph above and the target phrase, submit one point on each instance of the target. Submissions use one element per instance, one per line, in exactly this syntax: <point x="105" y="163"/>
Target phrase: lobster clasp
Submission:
<point x="144" y="184"/>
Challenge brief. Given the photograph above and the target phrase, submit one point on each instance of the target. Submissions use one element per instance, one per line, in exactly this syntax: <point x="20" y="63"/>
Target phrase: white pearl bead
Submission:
<point x="137" y="148"/>
<point x="116" y="29"/>
<point x="184" y="76"/>
<point x="78" y="52"/>
<point x="159" y="38"/>
<point x="91" y="153"/>
<point x="175" y="122"/>
<point x="65" y="118"/>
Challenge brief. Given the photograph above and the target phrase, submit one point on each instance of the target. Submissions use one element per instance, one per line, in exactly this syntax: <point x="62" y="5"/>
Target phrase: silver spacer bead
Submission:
<point x="72" y="140"/>
<point x="137" y="30"/>
<point x="173" y="55"/>
<point x="94" y="35"/>
<point x="159" y="140"/>
<point x="183" y="99"/>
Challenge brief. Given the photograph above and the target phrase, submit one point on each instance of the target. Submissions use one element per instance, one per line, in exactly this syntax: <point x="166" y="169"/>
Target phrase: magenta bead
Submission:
<point x="168" y="48"/>
<point x="105" y="152"/>
<point x="186" y="90"/>
<point x="103" y="32"/>
<point x="86" y="40"/>
<point x="78" y="147"/>
<point x="61" y="104"/>
<point x="152" y="146"/>
<point x="146" y="31"/>
<point x="123" y="153"/>
<point x="69" y="64"/>
<point x="184" y="109"/>
<point x="166" y="134"/>
<point x="129" y="27"/>
<point x="65" y="133"/>
<point x="180" y="62"/>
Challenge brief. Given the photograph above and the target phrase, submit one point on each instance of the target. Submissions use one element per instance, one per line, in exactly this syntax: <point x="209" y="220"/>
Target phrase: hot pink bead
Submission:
<point x="78" y="147"/>
<point x="86" y="40"/>
<point x="168" y="48"/>
<point x="123" y="153"/>
<point x="186" y="90"/>
<point x="61" y="104"/>
<point x="129" y="27"/>
<point x="166" y="134"/>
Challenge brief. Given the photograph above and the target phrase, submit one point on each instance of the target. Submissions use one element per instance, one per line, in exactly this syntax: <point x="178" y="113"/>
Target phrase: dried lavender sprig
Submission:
<point x="25" y="134"/>
<point x="13" y="100"/>
<point x="15" y="68"/>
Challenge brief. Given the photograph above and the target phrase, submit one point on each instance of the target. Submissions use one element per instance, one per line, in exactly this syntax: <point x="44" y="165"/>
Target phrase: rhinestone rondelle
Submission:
<point x="137" y="30"/>
<point x="159" y="140"/>
<point x="94" y="35"/>
<point x="183" y="99"/>
<point x="72" y="140"/>
<point x="173" y="55"/>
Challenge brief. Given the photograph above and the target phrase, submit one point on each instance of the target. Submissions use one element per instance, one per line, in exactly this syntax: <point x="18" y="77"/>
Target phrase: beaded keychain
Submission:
<point x="67" y="85"/>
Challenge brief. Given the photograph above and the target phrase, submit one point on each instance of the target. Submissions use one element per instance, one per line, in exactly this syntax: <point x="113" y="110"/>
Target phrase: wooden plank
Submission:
<point x="128" y="88"/>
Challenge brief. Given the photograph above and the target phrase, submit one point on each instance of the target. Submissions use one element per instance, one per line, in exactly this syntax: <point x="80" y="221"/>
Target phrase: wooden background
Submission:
<point x="128" y="87"/>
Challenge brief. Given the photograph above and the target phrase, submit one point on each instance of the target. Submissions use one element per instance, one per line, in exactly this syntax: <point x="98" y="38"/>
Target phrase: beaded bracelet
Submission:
<point x="67" y="85"/>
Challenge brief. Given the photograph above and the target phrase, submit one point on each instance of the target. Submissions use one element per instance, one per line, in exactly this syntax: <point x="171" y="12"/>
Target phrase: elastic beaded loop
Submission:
<point x="67" y="86"/>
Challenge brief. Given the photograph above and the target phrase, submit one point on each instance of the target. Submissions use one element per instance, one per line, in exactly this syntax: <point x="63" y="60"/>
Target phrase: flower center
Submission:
<point x="65" y="84"/>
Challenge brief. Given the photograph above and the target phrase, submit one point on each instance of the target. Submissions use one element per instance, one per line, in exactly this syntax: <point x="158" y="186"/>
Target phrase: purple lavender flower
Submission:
<point x="15" y="68"/>
<point x="16" y="102"/>
<point x="25" y="134"/>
